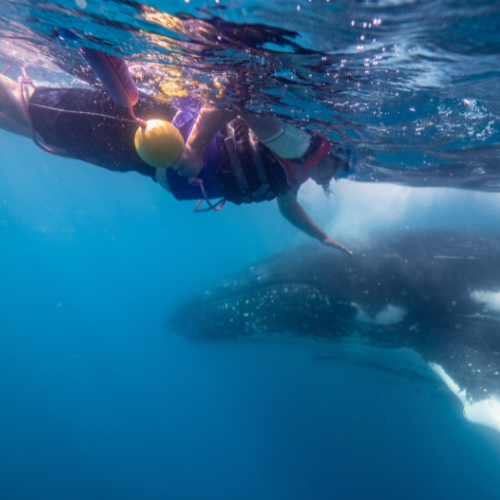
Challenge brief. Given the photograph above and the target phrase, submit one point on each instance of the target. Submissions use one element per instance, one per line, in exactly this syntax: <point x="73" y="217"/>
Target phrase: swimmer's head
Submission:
<point x="336" y="165"/>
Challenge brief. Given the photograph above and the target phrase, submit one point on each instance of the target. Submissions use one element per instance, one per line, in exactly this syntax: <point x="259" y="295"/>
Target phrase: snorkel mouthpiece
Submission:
<point x="348" y="160"/>
<point x="327" y="190"/>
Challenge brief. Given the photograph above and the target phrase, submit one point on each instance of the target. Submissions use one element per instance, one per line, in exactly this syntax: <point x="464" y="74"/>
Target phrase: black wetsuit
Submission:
<point x="89" y="126"/>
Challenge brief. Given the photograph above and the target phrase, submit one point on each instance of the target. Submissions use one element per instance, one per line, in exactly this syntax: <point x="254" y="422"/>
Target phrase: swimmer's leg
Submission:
<point x="10" y="125"/>
<point x="11" y="107"/>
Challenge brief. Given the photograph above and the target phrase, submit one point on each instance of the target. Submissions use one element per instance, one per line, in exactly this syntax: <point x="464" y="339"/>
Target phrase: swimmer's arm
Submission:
<point x="13" y="126"/>
<point x="209" y="122"/>
<point x="293" y="212"/>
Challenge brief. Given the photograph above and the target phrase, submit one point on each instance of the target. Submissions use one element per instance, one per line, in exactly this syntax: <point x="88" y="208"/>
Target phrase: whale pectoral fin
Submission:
<point x="469" y="352"/>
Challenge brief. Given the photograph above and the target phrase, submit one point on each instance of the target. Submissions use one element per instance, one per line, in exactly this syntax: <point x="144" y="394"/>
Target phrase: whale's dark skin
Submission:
<point x="420" y="290"/>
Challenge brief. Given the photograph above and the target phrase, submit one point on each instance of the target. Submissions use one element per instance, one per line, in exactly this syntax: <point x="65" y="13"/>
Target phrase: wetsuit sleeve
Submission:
<point x="89" y="126"/>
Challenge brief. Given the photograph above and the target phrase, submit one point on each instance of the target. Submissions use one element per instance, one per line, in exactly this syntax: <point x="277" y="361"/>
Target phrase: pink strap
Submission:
<point x="22" y="82"/>
<point x="217" y="206"/>
<point x="143" y="124"/>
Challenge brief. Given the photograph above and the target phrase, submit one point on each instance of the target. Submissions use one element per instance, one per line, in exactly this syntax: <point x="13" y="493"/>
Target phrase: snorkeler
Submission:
<point x="236" y="157"/>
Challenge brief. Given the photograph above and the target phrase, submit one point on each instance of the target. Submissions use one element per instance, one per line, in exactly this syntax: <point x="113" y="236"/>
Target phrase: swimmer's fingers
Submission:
<point x="329" y="242"/>
<point x="186" y="169"/>
<point x="189" y="164"/>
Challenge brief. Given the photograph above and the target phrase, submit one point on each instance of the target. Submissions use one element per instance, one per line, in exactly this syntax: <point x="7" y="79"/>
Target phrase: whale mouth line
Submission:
<point x="287" y="286"/>
<point x="294" y="307"/>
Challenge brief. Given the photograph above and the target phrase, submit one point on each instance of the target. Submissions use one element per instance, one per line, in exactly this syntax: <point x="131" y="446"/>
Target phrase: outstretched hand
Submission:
<point x="329" y="242"/>
<point x="190" y="163"/>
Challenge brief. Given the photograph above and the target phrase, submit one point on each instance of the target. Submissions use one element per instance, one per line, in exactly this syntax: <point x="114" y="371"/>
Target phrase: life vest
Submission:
<point x="250" y="172"/>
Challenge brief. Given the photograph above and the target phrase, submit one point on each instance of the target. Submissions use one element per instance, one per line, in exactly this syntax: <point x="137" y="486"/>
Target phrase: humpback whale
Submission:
<point x="435" y="293"/>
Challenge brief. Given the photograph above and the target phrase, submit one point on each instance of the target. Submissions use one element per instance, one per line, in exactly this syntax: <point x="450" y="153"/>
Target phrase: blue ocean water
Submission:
<point x="97" y="400"/>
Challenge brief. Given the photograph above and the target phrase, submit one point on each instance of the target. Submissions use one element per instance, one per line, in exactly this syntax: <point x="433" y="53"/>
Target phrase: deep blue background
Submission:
<point x="97" y="400"/>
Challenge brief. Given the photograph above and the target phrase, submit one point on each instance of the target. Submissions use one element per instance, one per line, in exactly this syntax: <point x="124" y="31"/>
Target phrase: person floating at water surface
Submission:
<point x="238" y="157"/>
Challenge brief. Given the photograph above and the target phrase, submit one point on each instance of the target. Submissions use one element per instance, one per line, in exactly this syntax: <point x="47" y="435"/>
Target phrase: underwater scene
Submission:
<point x="249" y="249"/>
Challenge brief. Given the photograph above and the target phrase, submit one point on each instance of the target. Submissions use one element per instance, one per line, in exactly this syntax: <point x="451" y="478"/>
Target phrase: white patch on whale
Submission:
<point x="490" y="299"/>
<point x="390" y="315"/>
<point x="485" y="412"/>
